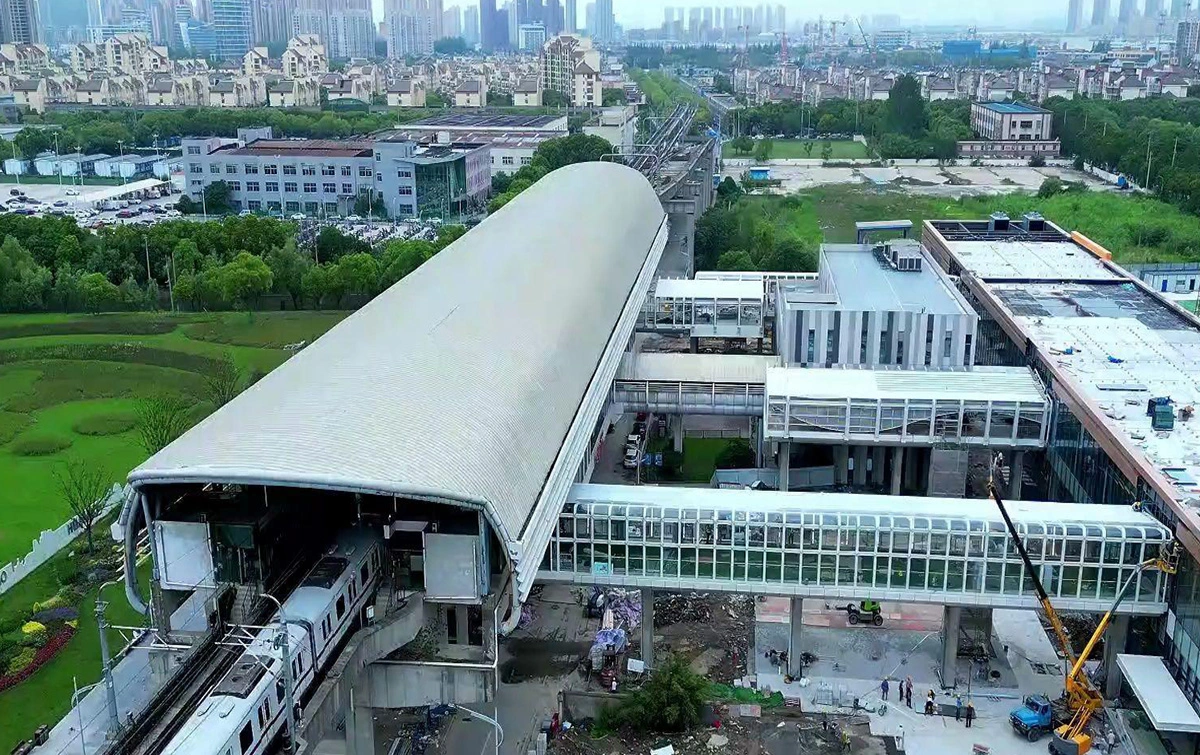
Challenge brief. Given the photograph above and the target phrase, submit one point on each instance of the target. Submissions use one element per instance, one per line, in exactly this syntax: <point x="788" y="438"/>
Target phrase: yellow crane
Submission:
<point x="1071" y="738"/>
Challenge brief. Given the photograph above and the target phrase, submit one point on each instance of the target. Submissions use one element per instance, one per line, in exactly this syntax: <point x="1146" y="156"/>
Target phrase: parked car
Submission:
<point x="61" y="203"/>
<point x="15" y="192"/>
<point x="125" y="213"/>
<point x="632" y="456"/>
<point x="72" y="192"/>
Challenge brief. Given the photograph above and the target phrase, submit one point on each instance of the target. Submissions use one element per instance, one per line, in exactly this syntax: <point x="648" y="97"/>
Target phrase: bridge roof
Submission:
<point x="461" y="382"/>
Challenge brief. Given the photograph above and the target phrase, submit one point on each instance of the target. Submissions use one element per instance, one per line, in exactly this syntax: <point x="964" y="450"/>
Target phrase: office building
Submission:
<point x="512" y="139"/>
<point x="531" y="37"/>
<point x="605" y="21"/>
<point x="231" y="24"/>
<point x="272" y="22"/>
<point x="452" y="22"/>
<point x="1074" y="16"/>
<point x="589" y="19"/>
<point x="20" y="22"/>
<point x="471" y="25"/>
<point x="1126" y="12"/>
<point x="492" y="31"/>
<point x="1179" y="8"/>
<point x="1187" y="41"/>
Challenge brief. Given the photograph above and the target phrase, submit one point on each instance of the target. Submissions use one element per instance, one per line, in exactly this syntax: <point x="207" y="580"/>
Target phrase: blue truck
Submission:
<point x="1035" y="718"/>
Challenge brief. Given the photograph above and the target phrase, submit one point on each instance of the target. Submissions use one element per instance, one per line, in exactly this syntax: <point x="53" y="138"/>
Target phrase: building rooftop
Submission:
<point x="978" y="384"/>
<point x="860" y="280"/>
<point x="490" y="121"/>
<point x="301" y="147"/>
<point x="1030" y="260"/>
<point x="697" y="368"/>
<point x="1010" y="107"/>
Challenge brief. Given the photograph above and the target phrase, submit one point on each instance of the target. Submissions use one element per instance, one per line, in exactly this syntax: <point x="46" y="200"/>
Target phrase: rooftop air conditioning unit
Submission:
<point x="1034" y="222"/>
<point x="998" y="222"/>
<point x="904" y="255"/>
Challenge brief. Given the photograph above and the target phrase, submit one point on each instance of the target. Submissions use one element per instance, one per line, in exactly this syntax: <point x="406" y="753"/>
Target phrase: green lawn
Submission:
<point x="788" y="149"/>
<point x="700" y="457"/>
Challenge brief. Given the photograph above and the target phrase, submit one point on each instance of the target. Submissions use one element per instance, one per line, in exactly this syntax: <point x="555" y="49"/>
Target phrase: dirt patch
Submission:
<point x="711" y="631"/>
<point x="536" y="658"/>
<point x="953" y="179"/>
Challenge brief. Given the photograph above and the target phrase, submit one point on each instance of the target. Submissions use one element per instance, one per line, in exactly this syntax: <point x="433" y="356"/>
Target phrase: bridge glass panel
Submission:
<point x="846" y="549"/>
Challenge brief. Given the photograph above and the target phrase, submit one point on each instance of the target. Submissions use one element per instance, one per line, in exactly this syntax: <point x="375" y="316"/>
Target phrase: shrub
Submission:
<point x="11" y="624"/>
<point x="23" y="658"/>
<point x="670" y="700"/>
<point x="40" y="445"/>
<point x="1037" y="161"/>
<point x="54" y="601"/>
<point x="61" y="613"/>
<point x="737" y="454"/>
<point x="30" y="627"/>
<point x="1050" y="186"/>
<point x="114" y="423"/>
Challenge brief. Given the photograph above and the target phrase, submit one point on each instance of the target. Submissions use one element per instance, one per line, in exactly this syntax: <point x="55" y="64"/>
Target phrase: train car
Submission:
<point x="246" y="710"/>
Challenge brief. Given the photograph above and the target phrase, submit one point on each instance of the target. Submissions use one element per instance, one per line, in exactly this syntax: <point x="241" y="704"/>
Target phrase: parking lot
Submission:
<point x="139" y="202"/>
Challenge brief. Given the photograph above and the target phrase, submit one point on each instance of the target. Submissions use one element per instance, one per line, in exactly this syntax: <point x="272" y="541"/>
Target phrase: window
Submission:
<point x="279" y="690"/>
<point x="406" y="191"/>
<point x="363" y="573"/>
<point x="364" y="171"/>
<point x="252" y="186"/>
<point x="214" y="168"/>
<point x="403" y="173"/>
<point x="526" y="160"/>
<point x="331" y="208"/>
<point x="308" y="170"/>
<point x="289" y="187"/>
<point x="310" y="207"/>
<point x="193" y="150"/>
<point x="310" y="188"/>
<point x="254" y="205"/>
<point x="270" y="170"/>
<point x="231" y="168"/>
<point x="195" y="168"/>
<point x="506" y="160"/>
<point x="347" y="189"/>
<point x="329" y="188"/>
<point x="250" y="170"/>
<point x="341" y="606"/>
<point x="246" y="737"/>
<point x="272" y="186"/>
<point x="289" y="170"/>
<point x="235" y="185"/>
<point x="328" y="170"/>
<point x="293" y="207"/>
<point x="346" y="171"/>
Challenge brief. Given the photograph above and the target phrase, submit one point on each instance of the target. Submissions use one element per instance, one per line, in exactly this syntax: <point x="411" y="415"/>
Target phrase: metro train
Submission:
<point x="246" y="710"/>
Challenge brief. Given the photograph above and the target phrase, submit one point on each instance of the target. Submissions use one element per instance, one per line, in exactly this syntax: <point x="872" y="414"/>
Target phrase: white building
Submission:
<point x="413" y="26"/>
<point x="572" y="66"/>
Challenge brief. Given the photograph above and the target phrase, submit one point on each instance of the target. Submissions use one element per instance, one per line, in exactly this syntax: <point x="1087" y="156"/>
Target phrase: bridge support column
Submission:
<point x="756" y="440"/>
<point x="911" y="463"/>
<point x="1114" y="643"/>
<point x="860" y="466"/>
<point x="360" y="730"/>
<point x="841" y="465"/>
<point x="785" y="464"/>
<point x="951" y="616"/>
<point x="648" y="627"/>
<point x="1015" y="473"/>
<point x="877" y="455"/>
<point x="677" y="433"/>
<point x="795" y="668"/>
<point x="694" y="345"/>
<point x="897" y="468"/>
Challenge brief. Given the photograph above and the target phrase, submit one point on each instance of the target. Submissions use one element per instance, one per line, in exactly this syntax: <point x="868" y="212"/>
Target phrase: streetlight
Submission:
<point x="121" y="146"/>
<point x="17" y="168"/>
<point x="79" y="709"/>
<point x="485" y="719"/>
<point x="288" y="682"/>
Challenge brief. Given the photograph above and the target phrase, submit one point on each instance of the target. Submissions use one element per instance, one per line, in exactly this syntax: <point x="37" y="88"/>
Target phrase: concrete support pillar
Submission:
<point x="877" y="457"/>
<point x="1015" y="473"/>
<point x="897" y="468"/>
<point x="677" y="433"/>
<point x="951" y="615"/>
<point x="841" y="465"/>
<point x="360" y="730"/>
<point x="694" y="345"/>
<point x="860" y="466"/>
<point x="757" y="440"/>
<point x="928" y="454"/>
<point x="785" y="464"/>
<point x="794" y="647"/>
<point x="1114" y="643"/>
<point x="910" y="466"/>
<point x="648" y="627"/>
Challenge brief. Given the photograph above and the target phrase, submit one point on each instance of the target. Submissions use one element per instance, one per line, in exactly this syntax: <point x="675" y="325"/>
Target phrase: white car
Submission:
<point x="354" y="218"/>
<point x="299" y="216"/>
<point x="174" y="214"/>
<point x="72" y="192"/>
<point x="632" y="457"/>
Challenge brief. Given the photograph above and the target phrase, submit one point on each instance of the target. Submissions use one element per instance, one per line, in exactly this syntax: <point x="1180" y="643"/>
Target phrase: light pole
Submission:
<point x="110" y="688"/>
<point x="121" y="147"/>
<point x="79" y="709"/>
<point x="495" y="724"/>
<point x="288" y="681"/>
<point x="16" y="172"/>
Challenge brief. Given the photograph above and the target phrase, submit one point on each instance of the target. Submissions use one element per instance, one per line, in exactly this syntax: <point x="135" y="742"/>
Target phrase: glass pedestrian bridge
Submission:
<point x="842" y="546"/>
<point x="705" y="308"/>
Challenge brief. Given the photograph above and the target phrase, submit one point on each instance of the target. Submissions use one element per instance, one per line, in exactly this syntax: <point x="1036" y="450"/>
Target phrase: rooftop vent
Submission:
<point x="1034" y="222"/>
<point x="903" y="255"/>
<point x="998" y="222"/>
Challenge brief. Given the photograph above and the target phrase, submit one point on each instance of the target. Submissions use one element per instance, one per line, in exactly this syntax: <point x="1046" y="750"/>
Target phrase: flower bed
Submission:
<point x="40" y="658"/>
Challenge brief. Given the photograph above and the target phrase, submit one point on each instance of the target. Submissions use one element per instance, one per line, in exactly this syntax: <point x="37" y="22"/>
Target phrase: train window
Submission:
<point x="246" y="738"/>
<point x="279" y="692"/>
<point x="341" y="606"/>
<point x="363" y="573"/>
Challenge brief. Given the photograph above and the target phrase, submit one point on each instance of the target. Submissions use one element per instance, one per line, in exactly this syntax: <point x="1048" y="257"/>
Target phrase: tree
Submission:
<point x="223" y="382"/>
<point x="763" y="150"/>
<point x="31" y="142"/>
<point x="435" y="100"/>
<point x="670" y="700"/>
<point x="160" y="420"/>
<point x="500" y="182"/>
<point x="743" y="145"/>
<point x="827" y="150"/>
<point x="243" y="279"/>
<point x="451" y="46"/>
<point x="332" y="244"/>
<point x="553" y="98"/>
<point x="217" y="198"/>
<point x="499" y="99"/>
<point x="359" y="274"/>
<point x="612" y="97"/>
<point x="1050" y="186"/>
<point x="1037" y="161"/>
<point x="98" y="292"/>
<point x="85" y="489"/>
<point x="728" y="190"/>
<point x="808" y="148"/>
<point x="906" y="108"/>
<point x="287" y="266"/>
<point x="738" y="260"/>
<point x="737" y="454"/>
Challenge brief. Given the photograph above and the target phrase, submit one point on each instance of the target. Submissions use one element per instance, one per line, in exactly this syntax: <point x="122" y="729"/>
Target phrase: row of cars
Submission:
<point x="635" y="442"/>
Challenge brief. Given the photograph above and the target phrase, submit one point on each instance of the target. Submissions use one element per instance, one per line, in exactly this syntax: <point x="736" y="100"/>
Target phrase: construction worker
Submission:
<point x="845" y="740"/>
<point x="970" y="713"/>
<point x="883" y="688"/>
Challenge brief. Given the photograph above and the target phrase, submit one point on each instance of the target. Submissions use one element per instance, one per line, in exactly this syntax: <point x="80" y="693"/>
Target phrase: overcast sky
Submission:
<point x="649" y="13"/>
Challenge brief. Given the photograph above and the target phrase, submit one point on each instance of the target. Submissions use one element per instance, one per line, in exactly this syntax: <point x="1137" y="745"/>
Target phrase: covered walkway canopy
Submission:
<point x="478" y="380"/>
<point x="1160" y="696"/>
<point x="947" y="551"/>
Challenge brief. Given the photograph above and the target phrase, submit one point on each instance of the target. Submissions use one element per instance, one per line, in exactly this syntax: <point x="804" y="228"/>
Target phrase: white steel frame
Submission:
<point x="705" y="317"/>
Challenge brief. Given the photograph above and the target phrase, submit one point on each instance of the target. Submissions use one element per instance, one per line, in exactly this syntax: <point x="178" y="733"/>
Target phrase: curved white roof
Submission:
<point x="459" y="383"/>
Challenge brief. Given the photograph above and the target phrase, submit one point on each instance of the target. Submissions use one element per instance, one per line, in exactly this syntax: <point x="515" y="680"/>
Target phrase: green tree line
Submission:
<point x="550" y="155"/>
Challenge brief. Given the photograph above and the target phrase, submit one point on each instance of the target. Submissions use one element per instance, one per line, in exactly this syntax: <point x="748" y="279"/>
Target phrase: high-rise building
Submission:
<point x="231" y="24"/>
<point x="272" y="22"/>
<point x="693" y="27"/>
<point x="589" y="19"/>
<point x="488" y="38"/>
<point x="183" y="16"/>
<point x="351" y="34"/>
<point x="1179" y="8"/>
<point x="570" y="22"/>
<point x="1074" y="15"/>
<point x="553" y="18"/>
<point x="1100" y="13"/>
<point x="471" y="25"/>
<point x="781" y="17"/>
<point x="413" y="26"/>
<point x="20" y="21"/>
<point x="1126" y="12"/>
<point x="452" y="22"/>
<point x="63" y="21"/>
<point x="605" y="22"/>
<point x="729" y="23"/>
<point x="1152" y="10"/>
<point x="1187" y="41"/>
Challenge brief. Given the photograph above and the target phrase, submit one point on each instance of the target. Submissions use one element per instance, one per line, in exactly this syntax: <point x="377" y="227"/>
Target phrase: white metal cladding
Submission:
<point x="462" y="382"/>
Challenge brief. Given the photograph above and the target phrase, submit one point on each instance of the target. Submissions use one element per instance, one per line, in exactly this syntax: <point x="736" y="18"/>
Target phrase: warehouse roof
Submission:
<point x="462" y="382"/>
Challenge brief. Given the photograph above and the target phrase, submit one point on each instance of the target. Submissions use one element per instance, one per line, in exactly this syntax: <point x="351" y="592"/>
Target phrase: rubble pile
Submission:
<point x="674" y="608"/>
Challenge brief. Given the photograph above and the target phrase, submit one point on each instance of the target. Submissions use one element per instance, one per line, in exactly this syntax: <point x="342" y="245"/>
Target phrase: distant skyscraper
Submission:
<point x="413" y="26"/>
<point x="1126" y="11"/>
<point x="20" y="21"/>
<point x="1074" y="15"/>
<point x="231" y="24"/>
<point x="605" y="22"/>
<point x="589" y="19"/>
<point x="489" y="27"/>
<point x="1178" y="8"/>
<point x="1152" y="10"/>
<point x="272" y="22"/>
<point x="1187" y="41"/>
<point x="781" y="17"/>
<point x="570" y="20"/>
<point x="1100" y="13"/>
<point x="553" y="18"/>
<point x="471" y="24"/>
<point x="452" y="22"/>
<point x="351" y="34"/>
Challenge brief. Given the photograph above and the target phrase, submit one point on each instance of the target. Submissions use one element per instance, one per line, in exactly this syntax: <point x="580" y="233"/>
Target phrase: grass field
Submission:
<point x="789" y="149"/>
<point x="72" y="382"/>
<point x="700" y="457"/>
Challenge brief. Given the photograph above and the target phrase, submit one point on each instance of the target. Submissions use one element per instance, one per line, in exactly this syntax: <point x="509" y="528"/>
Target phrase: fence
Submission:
<point x="50" y="542"/>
